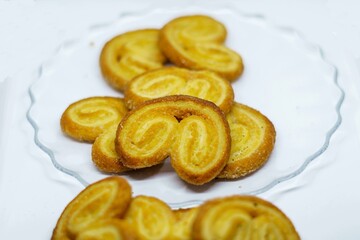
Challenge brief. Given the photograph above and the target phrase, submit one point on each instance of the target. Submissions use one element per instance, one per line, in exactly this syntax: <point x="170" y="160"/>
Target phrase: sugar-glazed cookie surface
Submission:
<point x="174" y="81"/>
<point x="242" y="217"/>
<point x="86" y="119"/>
<point x="197" y="42"/>
<point x="252" y="141"/>
<point x="193" y="131"/>
<point x="108" y="198"/>
<point x="130" y="54"/>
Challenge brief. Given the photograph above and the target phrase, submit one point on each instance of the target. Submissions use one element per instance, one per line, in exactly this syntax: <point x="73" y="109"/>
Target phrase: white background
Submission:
<point x="323" y="202"/>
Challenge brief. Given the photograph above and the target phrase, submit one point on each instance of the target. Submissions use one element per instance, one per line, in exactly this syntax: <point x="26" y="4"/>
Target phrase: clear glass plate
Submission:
<point x="286" y="77"/>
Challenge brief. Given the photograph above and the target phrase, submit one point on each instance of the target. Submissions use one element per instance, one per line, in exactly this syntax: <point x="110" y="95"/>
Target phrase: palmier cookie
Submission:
<point x="108" y="198"/>
<point x="108" y="229"/>
<point x="130" y="54"/>
<point x="184" y="219"/>
<point x="151" y="217"/>
<point x="242" y="217"/>
<point x="86" y="119"/>
<point x="174" y="81"/>
<point x="196" y="42"/>
<point x="193" y="131"/>
<point x="104" y="155"/>
<point x="252" y="141"/>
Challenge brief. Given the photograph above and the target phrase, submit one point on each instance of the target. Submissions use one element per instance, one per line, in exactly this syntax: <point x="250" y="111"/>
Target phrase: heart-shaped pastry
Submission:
<point x="192" y="131"/>
<point x="130" y="54"/>
<point x="242" y="217"/>
<point x="196" y="42"/>
<point x="108" y="198"/>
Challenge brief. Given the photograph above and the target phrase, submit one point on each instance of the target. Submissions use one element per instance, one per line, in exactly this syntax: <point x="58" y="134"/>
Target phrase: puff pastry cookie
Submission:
<point x="174" y="81"/>
<point x="184" y="223"/>
<point x="242" y="217"/>
<point x="86" y="119"/>
<point x="194" y="132"/>
<point x="108" y="198"/>
<point x="107" y="229"/>
<point x="196" y="42"/>
<point x="103" y="153"/>
<point x="105" y="210"/>
<point x="151" y="217"/>
<point x="130" y="54"/>
<point x="252" y="141"/>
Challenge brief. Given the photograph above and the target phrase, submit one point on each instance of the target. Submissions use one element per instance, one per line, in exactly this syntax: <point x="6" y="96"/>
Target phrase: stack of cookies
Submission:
<point x="185" y="111"/>
<point x="107" y="210"/>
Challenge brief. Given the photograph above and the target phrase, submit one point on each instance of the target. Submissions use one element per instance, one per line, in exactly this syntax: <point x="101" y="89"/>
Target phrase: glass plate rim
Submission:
<point x="287" y="30"/>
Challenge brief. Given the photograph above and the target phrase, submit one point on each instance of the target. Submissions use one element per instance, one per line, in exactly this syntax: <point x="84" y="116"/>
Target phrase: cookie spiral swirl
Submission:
<point x="252" y="141"/>
<point x="108" y="198"/>
<point x="130" y="54"/>
<point x="151" y="218"/>
<point x="196" y="42"/>
<point x="86" y="119"/>
<point x="194" y="132"/>
<point x="174" y="81"/>
<point x="242" y="217"/>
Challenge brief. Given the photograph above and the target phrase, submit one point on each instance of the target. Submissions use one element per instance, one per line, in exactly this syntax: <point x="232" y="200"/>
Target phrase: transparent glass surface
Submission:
<point x="286" y="77"/>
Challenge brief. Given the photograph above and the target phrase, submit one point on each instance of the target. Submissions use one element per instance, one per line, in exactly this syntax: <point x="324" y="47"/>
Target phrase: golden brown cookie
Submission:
<point x="193" y="131"/>
<point x="252" y="141"/>
<point x="196" y="42"/>
<point x="242" y="217"/>
<point x="108" y="229"/>
<point x="130" y="54"/>
<point x="108" y="198"/>
<point x="151" y="217"/>
<point x="174" y="81"/>
<point x="184" y="223"/>
<point x="103" y="153"/>
<point x="86" y="119"/>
